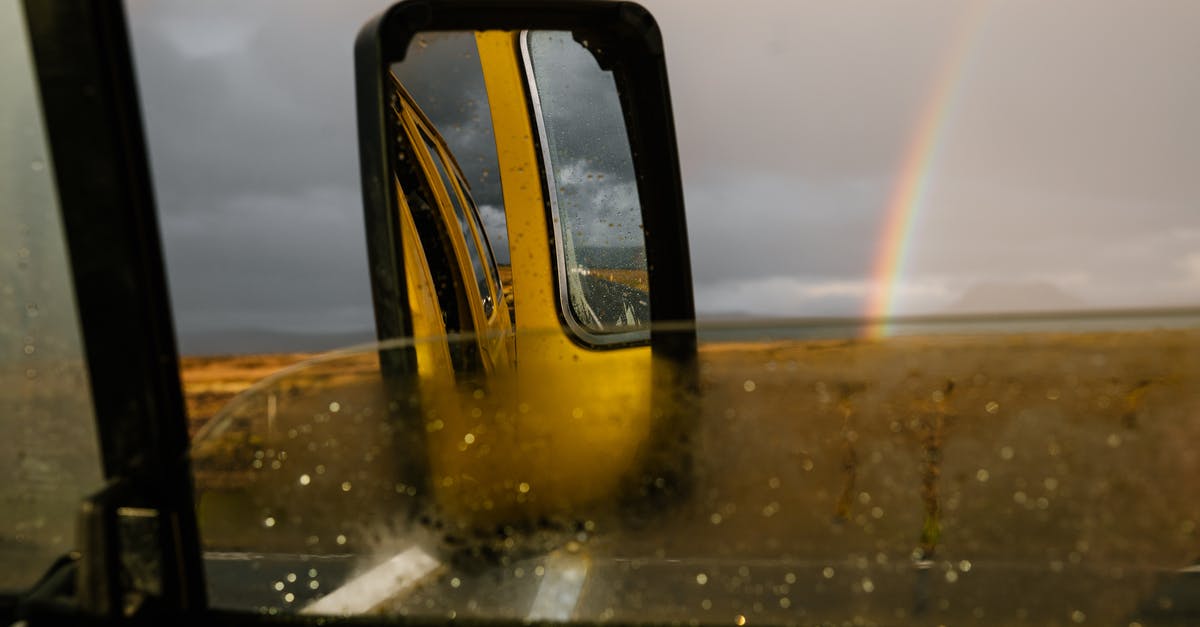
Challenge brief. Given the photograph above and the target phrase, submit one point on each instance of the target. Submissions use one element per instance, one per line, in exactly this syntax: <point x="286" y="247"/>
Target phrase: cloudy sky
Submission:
<point x="1062" y="171"/>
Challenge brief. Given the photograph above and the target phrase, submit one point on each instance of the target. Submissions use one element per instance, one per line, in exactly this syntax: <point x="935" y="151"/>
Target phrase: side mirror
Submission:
<point x="532" y="381"/>
<point x="522" y="195"/>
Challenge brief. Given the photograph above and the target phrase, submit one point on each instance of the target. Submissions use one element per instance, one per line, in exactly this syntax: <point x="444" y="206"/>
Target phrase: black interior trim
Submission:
<point x="91" y="110"/>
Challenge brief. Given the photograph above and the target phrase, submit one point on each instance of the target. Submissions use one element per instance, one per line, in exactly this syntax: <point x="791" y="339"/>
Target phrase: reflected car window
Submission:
<point x="591" y="184"/>
<point x="468" y="231"/>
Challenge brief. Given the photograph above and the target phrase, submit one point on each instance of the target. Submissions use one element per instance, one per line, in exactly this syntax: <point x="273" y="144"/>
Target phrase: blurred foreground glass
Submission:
<point x="49" y="456"/>
<point x="973" y="474"/>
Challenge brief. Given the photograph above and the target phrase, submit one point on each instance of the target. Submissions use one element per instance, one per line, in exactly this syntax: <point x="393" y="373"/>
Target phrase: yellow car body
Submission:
<point x="551" y="427"/>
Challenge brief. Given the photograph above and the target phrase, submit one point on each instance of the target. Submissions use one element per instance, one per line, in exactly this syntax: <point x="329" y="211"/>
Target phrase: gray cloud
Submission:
<point x="249" y="111"/>
<point x="1064" y="154"/>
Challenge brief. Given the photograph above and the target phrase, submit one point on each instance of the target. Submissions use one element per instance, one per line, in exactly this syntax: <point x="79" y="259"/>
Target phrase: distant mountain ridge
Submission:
<point x="259" y="341"/>
<point x="1014" y="297"/>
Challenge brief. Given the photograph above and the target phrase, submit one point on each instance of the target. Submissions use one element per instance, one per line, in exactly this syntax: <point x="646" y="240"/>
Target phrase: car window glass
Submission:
<point x="489" y="252"/>
<point x="49" y="455"/>
<point x="473" y="252"/>
<point x="591" y="183"/>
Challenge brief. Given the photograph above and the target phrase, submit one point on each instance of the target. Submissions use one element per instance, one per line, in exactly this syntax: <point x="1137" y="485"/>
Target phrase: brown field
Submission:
<point x="1050" y="475"/>
<point x="210" y="382"/>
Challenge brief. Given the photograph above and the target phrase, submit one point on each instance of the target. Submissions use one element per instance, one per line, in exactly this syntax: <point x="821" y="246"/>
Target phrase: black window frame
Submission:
<point x="91" y="111"/>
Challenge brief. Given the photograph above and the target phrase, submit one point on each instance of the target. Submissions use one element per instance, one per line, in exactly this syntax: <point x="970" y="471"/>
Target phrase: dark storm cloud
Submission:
<point x="1065" y="157"/>
<point x="249" y="110"/>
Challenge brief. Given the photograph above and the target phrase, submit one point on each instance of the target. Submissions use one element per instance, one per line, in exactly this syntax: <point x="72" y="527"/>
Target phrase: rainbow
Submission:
<point x="916" y="175"/>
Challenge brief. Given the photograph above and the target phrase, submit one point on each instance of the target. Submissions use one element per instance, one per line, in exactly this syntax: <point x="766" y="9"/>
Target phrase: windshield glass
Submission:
<point x="967" y="470"/>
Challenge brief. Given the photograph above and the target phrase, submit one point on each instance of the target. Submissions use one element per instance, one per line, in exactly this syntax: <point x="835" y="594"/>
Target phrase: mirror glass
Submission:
<point x="578" y="138"/>
<point x="593" y="191"/>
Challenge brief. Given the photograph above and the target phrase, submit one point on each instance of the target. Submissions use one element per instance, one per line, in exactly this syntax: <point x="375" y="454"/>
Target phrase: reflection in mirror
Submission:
<point x="443" y="75"/>
<point x="591" y="183"/>
<point x="589" y="191"/>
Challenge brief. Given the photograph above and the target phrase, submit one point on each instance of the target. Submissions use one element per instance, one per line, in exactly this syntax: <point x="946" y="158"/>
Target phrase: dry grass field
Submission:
<point x="1039" y="474"/>
<point x="211" y="382"/>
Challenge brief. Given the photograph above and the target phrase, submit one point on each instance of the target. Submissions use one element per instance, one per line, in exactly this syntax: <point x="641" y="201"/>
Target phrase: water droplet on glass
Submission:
<point x="305" y="479"/>
<point x="868" y="586"/>
<point x="279" y="586"/>
<point x="749" y="385"/>
<point x="346" y="486"/>
<point x="335" y="407"/>
<point x="702" y="579"/>
<point x="269" y="521"/>
<point x="827" y="572"/>
<point x="291" y="577"/>
<point x="341" y="539"/>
